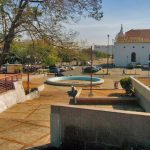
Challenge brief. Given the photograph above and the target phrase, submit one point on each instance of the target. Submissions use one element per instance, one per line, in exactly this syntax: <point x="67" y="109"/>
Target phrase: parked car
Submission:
<point x="62" y="69"/>
<point x="138" y="65"/>
<point x="59" y="74"/>
<point x="130" y="66"/>
<point x="54" y="69"/>
<point x="106" y="65"/>
<point x="3" y="69"/>
<point x="98" y="67"/>
<point x="88" y="69"/>
<point x="72" y="67"/>
<point x="145" y="67"/>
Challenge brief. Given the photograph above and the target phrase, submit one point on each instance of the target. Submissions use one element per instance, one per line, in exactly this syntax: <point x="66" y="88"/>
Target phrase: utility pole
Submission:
<point x="113" y="47"/>
<point x="28" y="75"/>
<point x="107" y="53"/>
<point x="91" y="94"/>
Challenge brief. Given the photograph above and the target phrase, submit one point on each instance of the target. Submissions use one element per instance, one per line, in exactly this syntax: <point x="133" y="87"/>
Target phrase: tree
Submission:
<point x="41" y="53"/>
<point x="68" y="52"/>
<point x="99" y="54"/>
<point x="41" y="19"/>
<point x="50" y="60"/>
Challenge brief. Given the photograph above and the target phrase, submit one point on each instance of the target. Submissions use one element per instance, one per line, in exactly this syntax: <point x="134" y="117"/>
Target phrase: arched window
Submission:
<point x="133" y="57"/>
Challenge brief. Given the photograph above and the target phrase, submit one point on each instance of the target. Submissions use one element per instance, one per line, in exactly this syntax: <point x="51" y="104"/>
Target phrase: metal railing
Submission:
<point x="6" y="83"/>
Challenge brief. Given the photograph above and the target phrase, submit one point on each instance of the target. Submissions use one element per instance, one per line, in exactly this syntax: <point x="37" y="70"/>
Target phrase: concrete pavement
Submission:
<point x="28" y="124"/>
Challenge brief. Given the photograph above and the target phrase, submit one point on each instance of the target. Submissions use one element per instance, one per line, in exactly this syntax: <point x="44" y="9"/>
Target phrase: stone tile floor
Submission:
<point x="27" y="124"/>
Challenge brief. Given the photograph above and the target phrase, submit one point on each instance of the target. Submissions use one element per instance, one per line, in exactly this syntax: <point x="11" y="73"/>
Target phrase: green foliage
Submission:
<point x="50" y="60"/>
<point x="127" y="85"/>
<point x="67" y="55"/>
<point x="43" y="19"/>
<point x="99" y="54"/>
<point x="20" y="50"/>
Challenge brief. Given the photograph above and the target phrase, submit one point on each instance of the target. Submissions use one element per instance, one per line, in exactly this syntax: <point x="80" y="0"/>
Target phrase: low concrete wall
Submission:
<point x="77" y="127"/>
<point x="17" y="95"/>
<point x="34" y="77"/>
<point x="143" y="93"/>
<point x="12" y="97"/>
<point x="35" y="94"/>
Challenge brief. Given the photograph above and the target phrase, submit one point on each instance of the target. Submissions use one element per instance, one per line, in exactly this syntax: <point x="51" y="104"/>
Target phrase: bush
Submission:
<point x="127" y="85"/>
<point x="33" y="89"/>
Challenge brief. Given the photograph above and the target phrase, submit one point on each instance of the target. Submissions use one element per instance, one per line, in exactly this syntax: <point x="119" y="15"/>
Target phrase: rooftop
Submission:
<point x="135" y="36"/>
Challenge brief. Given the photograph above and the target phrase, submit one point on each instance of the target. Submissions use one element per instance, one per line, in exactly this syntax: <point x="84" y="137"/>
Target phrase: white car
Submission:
<point x="73" y="67"/>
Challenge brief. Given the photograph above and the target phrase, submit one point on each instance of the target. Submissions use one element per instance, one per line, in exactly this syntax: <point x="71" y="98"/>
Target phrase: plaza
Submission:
<point x="27" y="124"/>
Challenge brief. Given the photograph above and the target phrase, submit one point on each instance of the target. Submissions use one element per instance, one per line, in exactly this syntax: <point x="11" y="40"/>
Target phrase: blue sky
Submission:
<point x="132" y="14"/>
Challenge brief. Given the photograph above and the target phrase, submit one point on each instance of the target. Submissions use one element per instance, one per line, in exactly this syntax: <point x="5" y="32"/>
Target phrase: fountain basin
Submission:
<point x="74" y="80"/>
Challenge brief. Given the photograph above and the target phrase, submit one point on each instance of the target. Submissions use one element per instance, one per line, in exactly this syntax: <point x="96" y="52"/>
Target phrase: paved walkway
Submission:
<point x="28" y="124"/>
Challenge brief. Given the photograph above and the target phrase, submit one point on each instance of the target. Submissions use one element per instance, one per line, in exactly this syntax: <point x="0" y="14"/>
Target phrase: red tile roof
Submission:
<point x="138" y="33"/>
<point x="135" y="36"/>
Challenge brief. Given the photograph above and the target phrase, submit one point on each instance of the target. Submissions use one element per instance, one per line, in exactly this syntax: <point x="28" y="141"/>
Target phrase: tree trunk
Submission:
<point x="11" y="34"/>
<point x="7" y="43"/>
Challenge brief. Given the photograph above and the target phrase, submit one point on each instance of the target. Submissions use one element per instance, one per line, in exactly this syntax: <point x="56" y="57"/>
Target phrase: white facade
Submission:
<point x="123" y="52"/>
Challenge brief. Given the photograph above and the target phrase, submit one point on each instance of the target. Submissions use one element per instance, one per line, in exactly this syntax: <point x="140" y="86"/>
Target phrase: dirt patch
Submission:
<point x="144" y="80"/>
<point x="103" y="92"/>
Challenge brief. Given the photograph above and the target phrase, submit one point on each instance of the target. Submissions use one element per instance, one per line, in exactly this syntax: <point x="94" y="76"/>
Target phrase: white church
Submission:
<point x="132" y="46"/>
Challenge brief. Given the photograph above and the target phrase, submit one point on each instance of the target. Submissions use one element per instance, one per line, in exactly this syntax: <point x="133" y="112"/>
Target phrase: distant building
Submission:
<point x="104" y="48"/>
<point x="132" y="47"/>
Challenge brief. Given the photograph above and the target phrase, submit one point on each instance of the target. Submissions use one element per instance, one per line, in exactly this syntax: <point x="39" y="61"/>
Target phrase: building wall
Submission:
<point x="122" y="53"/>
<point x="84" y="127"/>
<point x="104" y="48"/>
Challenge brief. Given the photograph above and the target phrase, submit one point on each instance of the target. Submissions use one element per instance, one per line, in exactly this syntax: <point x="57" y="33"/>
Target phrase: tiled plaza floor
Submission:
<point x="28" y="124"/>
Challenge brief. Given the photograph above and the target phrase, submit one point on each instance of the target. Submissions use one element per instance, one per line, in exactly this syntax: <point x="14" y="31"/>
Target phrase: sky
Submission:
<point x="132" y="14"/>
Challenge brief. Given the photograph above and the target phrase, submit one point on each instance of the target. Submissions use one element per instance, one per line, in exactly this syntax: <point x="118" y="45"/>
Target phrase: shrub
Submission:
<point x="33" y="89"/>
<point x="127" y="85"/>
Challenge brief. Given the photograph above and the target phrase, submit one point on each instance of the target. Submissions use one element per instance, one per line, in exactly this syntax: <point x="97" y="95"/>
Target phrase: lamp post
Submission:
<point x="113" y="47"/>
<point x="28" y="77"/>
<point x="91" y="94"/>
<point x="127" y="60"/>
<point x="107" y="53"/>
<point x="148" y="67"/>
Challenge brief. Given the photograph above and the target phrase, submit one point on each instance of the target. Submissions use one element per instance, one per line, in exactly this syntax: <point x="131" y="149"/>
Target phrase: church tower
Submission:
<point x="121" y="31"/>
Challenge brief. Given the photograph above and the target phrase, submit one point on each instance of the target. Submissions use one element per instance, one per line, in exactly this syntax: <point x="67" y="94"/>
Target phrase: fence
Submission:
<point x="6" y="83"/>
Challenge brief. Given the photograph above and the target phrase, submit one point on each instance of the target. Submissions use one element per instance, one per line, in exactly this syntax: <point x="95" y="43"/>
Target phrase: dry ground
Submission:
<point x="145" y="80"/>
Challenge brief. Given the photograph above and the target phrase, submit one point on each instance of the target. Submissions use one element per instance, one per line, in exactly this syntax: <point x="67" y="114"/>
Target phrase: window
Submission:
<point x="133" y="57"/>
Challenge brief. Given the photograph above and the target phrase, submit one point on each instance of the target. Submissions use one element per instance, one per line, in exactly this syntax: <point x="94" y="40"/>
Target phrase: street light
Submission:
<point x="28" y="79"/>
<point x="91" y="94"/>
<point x="107" y="53"/>
<point x="148" y="67"/>
<point x="113" y="47"/>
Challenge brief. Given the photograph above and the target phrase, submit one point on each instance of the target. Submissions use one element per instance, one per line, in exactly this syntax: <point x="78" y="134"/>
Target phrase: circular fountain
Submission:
<point x="74" y="80"/>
